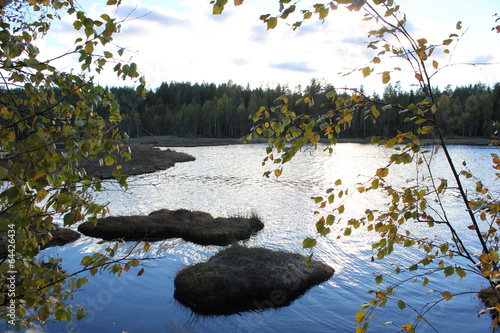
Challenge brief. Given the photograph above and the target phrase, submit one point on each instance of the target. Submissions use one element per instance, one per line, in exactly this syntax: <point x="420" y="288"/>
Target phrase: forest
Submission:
<point x="208" y="110"/>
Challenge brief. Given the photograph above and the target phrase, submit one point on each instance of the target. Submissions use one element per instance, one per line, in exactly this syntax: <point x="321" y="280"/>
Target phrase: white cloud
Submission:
<point x="182" y="41"/>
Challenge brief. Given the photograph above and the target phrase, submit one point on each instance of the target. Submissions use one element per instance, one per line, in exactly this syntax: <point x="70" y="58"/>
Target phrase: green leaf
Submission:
<point x="460" y="272"/>
<point x="413" y="267"/>
<point x="308" y="243"/>
<point x="447" y="41"/>
<point x="422" y="41"/>
<point x="331" y="94"/>
<point x="77" y="25"/>
<point x="379" y="279"/>
<point x="134" y="262"/>
<point x="87" y="260"/>
<point x="401" y="304"/>
<point x="80" y="314"/>
<point x="448" y="271"/>
<point x="406" y="158"/>
<point x="68" y="219"/>
<point x="61" y="315"/>
<point x="3" y="173"/>
<point x="323" y="13"/>
<point x="272" y="22"/>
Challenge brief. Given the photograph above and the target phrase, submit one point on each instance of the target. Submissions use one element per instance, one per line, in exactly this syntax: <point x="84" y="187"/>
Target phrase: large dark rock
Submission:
<point x="240" y="278"/>
<point x="194" y="226"/>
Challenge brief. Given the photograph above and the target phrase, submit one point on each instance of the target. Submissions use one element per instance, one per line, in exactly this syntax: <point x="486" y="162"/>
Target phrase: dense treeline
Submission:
<point x="208" y="110"/>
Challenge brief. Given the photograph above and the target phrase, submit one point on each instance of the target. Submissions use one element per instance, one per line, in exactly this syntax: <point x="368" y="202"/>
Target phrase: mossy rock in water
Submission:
<point x="146" y="158"/>
<point x="60" y="236"/>
<point x="194" y="226"/>
<point x="490" y="298"/>
<point x="241" y="279"/>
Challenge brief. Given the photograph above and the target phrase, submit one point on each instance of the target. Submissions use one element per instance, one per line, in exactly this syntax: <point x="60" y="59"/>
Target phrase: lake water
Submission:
<point x="226" y="181"/>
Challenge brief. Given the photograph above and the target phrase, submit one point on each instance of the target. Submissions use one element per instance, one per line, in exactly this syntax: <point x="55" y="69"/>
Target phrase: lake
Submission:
<point x="226" y="181"/>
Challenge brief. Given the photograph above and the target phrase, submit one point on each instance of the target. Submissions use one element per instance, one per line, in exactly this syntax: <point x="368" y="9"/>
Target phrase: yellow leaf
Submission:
<point x="386" y="77"/>
<point x="366" y="71"/>
<point x="447" y="295"/>
<point x="422" y="55"/>
<point x="380" y="294"/>
<point x="407" y="328"/>
<point x="435" y="64"/>
<point x="11" y="136"/>
<point x="360" y="316"/>
<point x="238" y="2"/>
<point x="382" y="172"/>
<point x="484" y="258"/>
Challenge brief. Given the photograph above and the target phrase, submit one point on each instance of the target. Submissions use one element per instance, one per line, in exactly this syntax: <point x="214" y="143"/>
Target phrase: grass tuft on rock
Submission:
<point x="240" y="279"/>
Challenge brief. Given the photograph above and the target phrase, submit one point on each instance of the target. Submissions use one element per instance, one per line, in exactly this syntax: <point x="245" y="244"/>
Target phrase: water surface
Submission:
<point x="226" y="181"/>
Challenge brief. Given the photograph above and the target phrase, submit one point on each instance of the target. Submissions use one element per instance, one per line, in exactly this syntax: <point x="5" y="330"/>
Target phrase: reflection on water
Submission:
<point x="227" y="181"/>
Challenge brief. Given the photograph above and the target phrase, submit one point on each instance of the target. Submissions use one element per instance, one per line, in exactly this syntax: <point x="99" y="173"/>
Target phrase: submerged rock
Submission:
<point x="240" y="279"/>
<point x="194" y="226"/>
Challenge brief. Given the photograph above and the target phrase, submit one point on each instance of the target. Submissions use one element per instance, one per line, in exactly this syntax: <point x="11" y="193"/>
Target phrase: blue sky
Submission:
<point x="179" y="40"/>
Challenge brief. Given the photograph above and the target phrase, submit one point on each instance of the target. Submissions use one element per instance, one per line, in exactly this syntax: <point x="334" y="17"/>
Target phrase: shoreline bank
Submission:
<point x="170" y="141"/>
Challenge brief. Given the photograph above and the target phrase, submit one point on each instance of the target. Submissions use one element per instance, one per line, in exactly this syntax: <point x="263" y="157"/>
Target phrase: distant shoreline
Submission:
<point x="170" y="141"/>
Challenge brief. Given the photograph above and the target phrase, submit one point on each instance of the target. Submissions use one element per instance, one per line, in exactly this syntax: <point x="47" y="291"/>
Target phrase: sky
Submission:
<point x="180" y="40"/>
